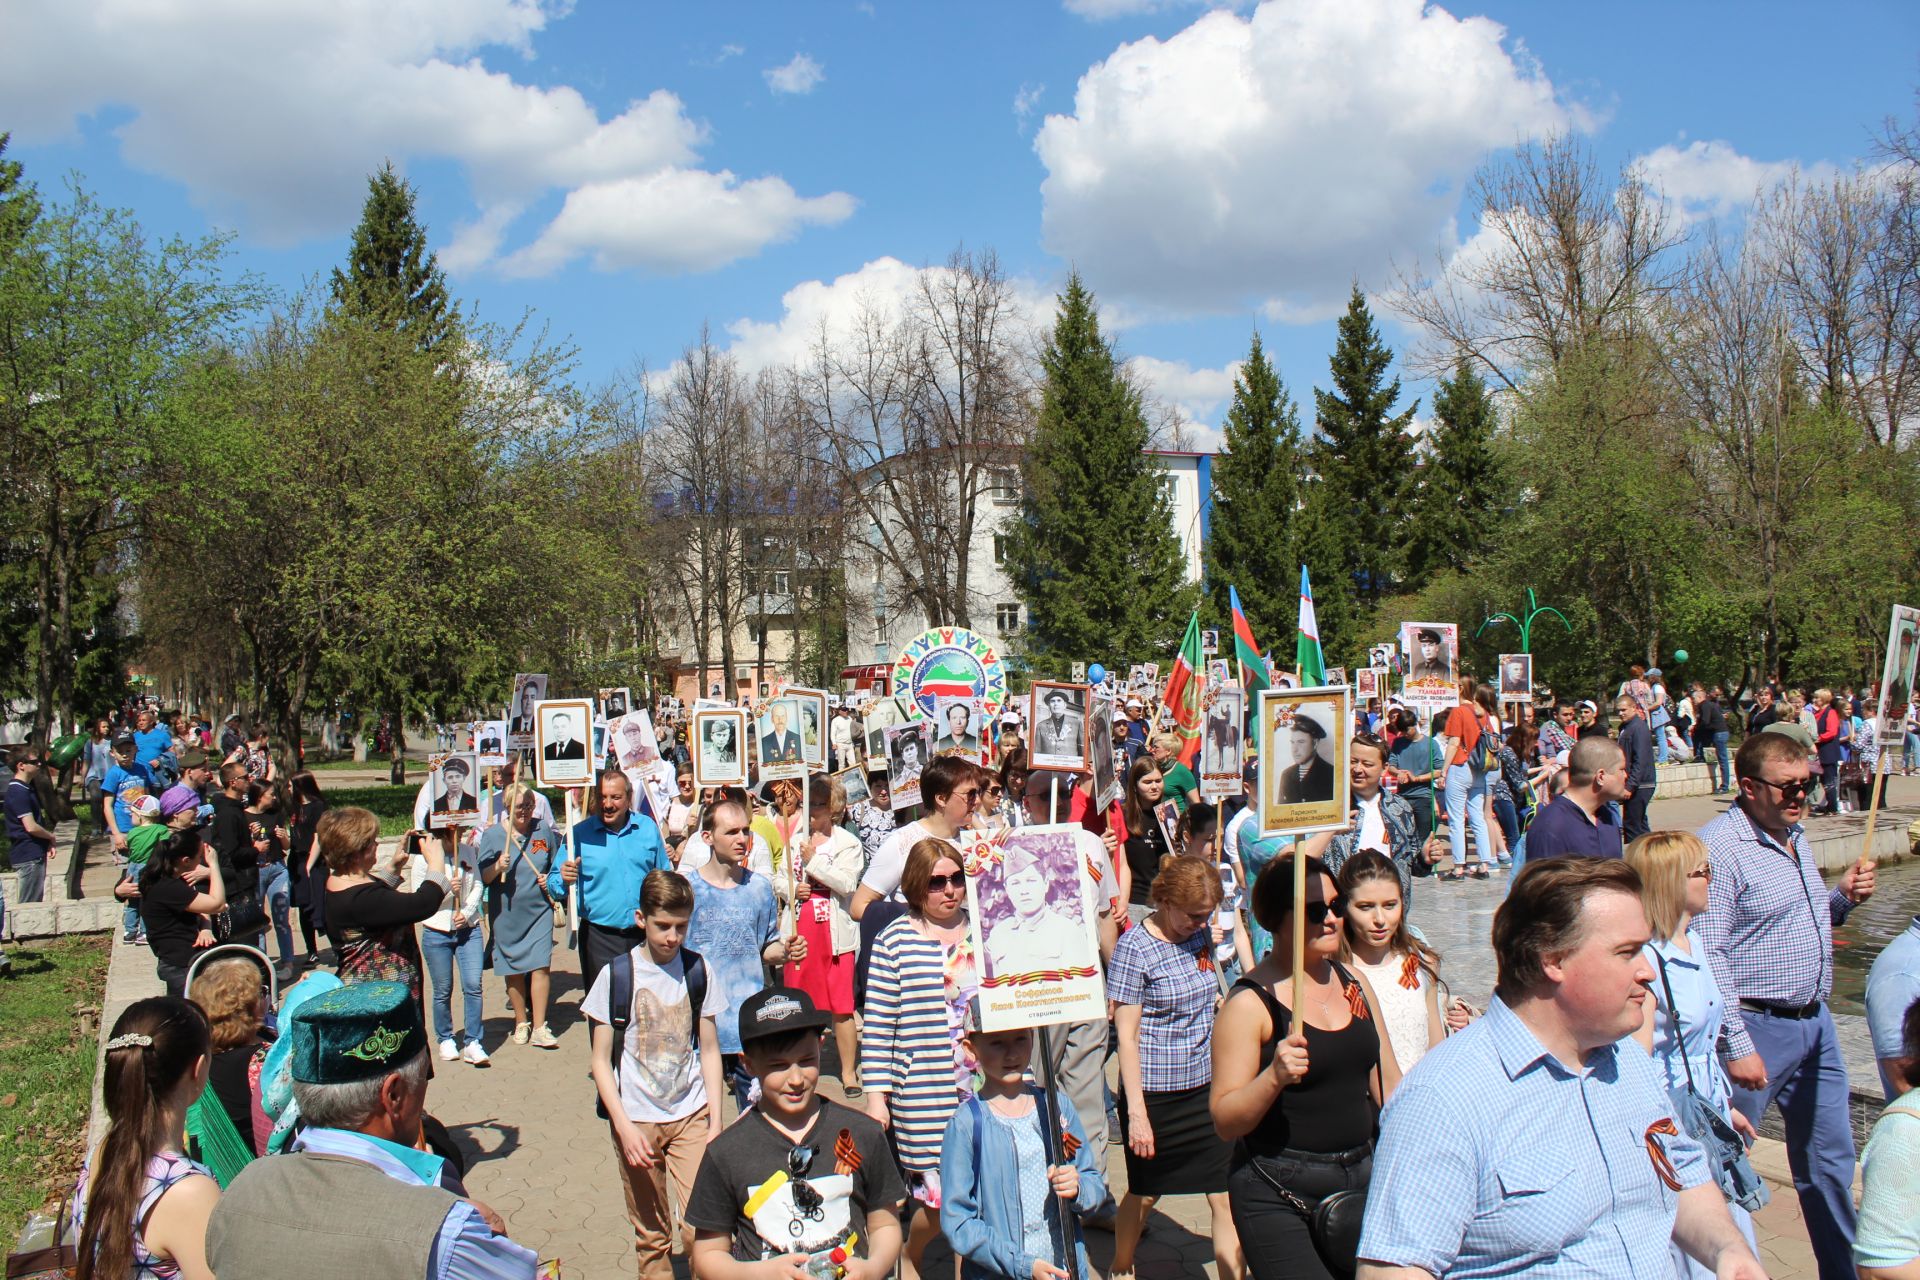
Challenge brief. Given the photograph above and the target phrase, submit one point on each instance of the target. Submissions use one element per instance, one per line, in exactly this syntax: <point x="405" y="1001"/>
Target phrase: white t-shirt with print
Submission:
<point x="883" y="873"/>
<point x="660" y="1078"/>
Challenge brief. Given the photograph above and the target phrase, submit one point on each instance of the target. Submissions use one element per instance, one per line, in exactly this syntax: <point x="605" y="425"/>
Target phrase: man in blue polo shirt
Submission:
<point x="29" y="836"/>
<point x="1579" y="823"/>
<point x="1540" y="1141"/>
<point x="611" y="854"/>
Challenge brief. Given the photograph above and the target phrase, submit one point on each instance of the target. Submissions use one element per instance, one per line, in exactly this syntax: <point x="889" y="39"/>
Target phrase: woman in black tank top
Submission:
<point x="1298" y="1097"/>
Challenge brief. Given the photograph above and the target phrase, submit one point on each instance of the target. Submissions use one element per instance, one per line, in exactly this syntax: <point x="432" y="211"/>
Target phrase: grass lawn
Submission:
<point x="49" y="1039"/>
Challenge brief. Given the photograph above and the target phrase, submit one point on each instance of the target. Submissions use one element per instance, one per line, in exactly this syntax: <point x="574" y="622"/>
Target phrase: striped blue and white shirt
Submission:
<point x="1496" y="1159"/>
<point x="1768" y="926"/>
<point x="906" y="1046"/>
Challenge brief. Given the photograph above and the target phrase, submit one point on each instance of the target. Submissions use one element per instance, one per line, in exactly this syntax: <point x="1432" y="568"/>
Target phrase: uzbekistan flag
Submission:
<point x="1253" y="667"/>
<point x="1313" y="669"/>
<point x="1183" y="692"/>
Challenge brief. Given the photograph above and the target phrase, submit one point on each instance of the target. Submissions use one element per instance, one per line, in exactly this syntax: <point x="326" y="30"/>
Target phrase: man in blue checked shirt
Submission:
<point x="1540" y="1140"/>
<point x="1768" y="932"/>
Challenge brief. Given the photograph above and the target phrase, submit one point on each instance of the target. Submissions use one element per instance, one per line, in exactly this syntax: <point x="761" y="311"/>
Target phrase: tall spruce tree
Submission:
<point x="1094" y="552"/>
<point x="1463" y="488"/>
<point x="391" y="277"/>
<point x="1252" y="544"/>
<point x="1364" y="461"/>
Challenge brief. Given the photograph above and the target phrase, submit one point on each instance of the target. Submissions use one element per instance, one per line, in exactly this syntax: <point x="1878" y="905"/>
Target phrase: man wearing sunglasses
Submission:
<point x="1769" y="941"/>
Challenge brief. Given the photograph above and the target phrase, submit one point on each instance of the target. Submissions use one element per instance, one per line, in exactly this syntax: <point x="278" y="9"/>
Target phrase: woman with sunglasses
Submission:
<point x="1680" y="1023"/>
<point x="914" y="1063"/>
<point x="1299" y="1097"/>
<point x="1163" y="985"/>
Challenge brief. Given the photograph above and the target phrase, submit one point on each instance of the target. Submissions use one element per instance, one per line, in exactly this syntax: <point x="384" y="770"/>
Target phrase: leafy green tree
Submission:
<point x="1364" y="461"/>
<point x="1251" y="544"/>
<point x="1095" y="552"/>
<point x="1461" y="495"/>
<point x="391" y="277"/>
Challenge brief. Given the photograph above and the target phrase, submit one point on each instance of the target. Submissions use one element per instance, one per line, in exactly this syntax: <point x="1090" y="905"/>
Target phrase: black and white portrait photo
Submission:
<point x="719" y="747"/>
<point x="563" y="752"/>
<point x="613" y="704"/>
<point x="1303" y="759"/>
<point x="909" y="749"/>
<point x="1516" y="677"/>
<point x="490" y="742"/>
<point x="956" y="727"/>
<point x="1100" y="758"/>
<point x="528" y="691"/>
<point x="879" y="716"/>
<point x="809" y="708"/>
<point x="456" y="790"/>
<point x="1059" y="727"/>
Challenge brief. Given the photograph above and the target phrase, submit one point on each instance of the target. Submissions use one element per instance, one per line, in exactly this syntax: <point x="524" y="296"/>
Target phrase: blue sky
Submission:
<point x="629" y="171"/>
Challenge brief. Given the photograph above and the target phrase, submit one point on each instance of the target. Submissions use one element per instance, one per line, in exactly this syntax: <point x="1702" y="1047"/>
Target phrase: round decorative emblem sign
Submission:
<point x="950" y="662"/>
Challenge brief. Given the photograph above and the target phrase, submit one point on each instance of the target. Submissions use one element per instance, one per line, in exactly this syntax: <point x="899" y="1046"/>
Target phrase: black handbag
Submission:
<point x="1333" y="1223"/>
<point x="244" y="917"/>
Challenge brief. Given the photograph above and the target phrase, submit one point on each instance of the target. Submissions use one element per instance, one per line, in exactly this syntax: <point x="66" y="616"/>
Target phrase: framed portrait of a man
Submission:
<point x="1034" y="920"/>
<point x="1304" y="738"/>
<point x="635" y="744"/>
<point x="614" y="703"/>
<point x="528" y="691"/>
<point x="455" y="782"/>
<point x="956" y="727"/>
<point x="719" y="747"/>
<point x="1432" y="652"/>
<point x="490" y="743"/>
<point x="776" y="736"/>
<point x="1336" y="675"/>
<point x="909" y="750"/>
<point x="1058" y="737"/>
<point x="563" y="753"/>
<point x="1366" y="683"/>
<point x="810" y="708"/>
<point x="1222" y="753"/>
<point x="1898" y="673"/>
<point x="853" y="783"/>
<point x="1516" y="677"/>
<point x="879" y="716"/>
<point x="1106" y="778"/>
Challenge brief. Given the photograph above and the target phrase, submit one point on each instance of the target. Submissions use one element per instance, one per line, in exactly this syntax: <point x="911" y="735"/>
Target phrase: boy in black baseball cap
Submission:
<point x="798" y="1178"/>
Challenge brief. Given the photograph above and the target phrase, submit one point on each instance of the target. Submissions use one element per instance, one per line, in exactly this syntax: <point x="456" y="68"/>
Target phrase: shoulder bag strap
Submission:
<point x="538" y="878"/>
<point x="1673" y="1015"/>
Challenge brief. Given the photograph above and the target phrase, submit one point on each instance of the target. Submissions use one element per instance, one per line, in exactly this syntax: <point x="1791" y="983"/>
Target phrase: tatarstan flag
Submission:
<point x="1253" y="667"/>
<point x="1183" y="692"/>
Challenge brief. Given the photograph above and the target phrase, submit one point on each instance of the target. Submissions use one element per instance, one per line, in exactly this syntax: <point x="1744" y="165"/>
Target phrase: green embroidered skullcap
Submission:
<point x="356" y="1032"/>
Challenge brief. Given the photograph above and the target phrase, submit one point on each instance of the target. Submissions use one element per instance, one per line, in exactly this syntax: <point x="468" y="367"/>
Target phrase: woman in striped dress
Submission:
<point x="913" y="1063"/>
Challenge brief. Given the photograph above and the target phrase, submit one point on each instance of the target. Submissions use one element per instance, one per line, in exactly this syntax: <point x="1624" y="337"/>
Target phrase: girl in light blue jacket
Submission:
<point x="1006" y="1209"/>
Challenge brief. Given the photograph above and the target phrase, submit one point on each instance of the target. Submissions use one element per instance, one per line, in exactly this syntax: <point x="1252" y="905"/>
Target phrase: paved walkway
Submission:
<point x="543" y="1159"/>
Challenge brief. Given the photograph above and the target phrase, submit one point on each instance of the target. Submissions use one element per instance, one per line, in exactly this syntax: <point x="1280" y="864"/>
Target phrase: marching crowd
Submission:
<point x="1657" y="991"/>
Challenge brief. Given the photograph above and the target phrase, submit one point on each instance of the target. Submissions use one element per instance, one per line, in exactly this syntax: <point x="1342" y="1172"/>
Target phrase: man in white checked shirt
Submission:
<point x="1768" y="931"/>
<point x="1540" y="1141"/>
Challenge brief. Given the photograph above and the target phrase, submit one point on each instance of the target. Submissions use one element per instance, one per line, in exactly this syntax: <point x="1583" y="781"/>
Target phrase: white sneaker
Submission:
<point x="475" y="1054"/>
<point x="545" y="1039"/>
<point x="449" y="1051"/>
<point x="521" y="1030"/>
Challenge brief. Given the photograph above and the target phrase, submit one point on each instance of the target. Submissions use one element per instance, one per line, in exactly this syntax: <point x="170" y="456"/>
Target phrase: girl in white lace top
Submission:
<point x="1404" y="971"/>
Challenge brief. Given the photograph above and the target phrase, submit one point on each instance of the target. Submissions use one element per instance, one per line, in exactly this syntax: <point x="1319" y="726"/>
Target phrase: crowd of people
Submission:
<point x="1657" y="991"/>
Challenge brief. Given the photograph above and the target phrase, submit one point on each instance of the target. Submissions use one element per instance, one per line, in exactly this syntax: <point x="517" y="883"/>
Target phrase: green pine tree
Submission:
<point x="1463" y="490"/>
<point x="1252" y="542"/>
<point x="1095" y="552"/>
<point x="1364" y="462"/>
<point x="391" y="278"/>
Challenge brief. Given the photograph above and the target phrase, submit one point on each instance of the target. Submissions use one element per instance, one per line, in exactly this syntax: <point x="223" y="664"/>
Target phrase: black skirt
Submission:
<point x="1189" y="1158"/>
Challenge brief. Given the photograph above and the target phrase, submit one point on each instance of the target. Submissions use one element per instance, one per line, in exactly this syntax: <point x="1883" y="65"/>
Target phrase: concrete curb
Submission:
<point x="131" y="976"/>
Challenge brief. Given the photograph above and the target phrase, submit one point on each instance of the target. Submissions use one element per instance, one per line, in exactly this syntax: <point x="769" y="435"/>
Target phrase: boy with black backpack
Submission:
<point x="656" y="1064"/>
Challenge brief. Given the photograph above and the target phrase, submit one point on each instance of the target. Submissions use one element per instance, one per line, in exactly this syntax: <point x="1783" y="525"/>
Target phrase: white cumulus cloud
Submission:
<point x="801" y="75"/>
<point x="1273" y="158"/>
<point x="272" y="116"/>
<point x="1712" y="179"/>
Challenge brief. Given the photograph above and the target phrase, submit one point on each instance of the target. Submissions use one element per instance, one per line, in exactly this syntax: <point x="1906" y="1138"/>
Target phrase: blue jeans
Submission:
<point x="1808" y="1078"/>
<point x="274" y="889"/>
<point x="1509" y="819"/>
<point x="1910" y="746"/>
<point x="1659" y="741"/>
<point x="440" y="949"/>
<point x="1722" y="767"/>
<point x="1466" y="797"/>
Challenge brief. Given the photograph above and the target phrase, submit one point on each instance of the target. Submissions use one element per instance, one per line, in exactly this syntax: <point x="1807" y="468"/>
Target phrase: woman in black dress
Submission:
<point x="308" y="873"/>
<point x="369" y="920"/>
<point x="180" y="888"/>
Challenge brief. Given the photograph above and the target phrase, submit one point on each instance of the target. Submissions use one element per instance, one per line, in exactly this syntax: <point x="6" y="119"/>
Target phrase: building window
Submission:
<point x="1006" y="617"/>
<point x="1004" y="487"/>
<point x="753" y="632"/>
<point x="999" y="548"/>
<point x="781" y="582"/>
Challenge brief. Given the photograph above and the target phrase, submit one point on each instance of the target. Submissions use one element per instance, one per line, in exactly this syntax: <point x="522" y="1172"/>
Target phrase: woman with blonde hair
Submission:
<point x="1681" y="1021"/>
<point x="516" y="853"/>
<point x="1163" y="986"/>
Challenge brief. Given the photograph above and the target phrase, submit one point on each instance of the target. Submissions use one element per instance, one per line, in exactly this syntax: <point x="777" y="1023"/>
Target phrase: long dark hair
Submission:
<point x="1139" y="820"/>
<point x="1371" y="864"/>
<point x="306" y="787"/>
<point x="140" y="1078"/>
<point x="166" y="856"/>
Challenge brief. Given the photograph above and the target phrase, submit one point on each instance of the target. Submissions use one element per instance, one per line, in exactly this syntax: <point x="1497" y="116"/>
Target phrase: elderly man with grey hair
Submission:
<point x="357" y="1196"/>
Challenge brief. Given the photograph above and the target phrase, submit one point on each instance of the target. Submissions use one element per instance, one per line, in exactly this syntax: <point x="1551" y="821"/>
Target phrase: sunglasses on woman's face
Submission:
<point x="1317" y="912"/>
<point x="940" y="884"/>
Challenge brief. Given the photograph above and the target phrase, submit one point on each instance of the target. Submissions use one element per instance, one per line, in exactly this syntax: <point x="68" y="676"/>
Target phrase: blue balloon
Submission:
<point x="1096" y="673"/>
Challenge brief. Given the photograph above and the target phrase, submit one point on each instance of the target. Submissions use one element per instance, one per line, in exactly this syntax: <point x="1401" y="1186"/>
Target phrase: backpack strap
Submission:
<point x="619" y="1015"/>
<point x="695" y="970"/>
